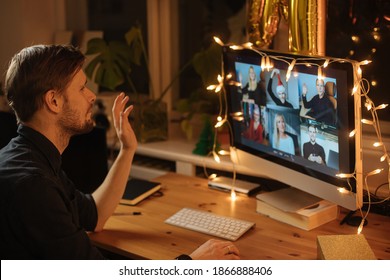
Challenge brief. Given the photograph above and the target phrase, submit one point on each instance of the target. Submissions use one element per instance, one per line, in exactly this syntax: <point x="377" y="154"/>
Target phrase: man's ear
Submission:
<point x="52" y="100"/>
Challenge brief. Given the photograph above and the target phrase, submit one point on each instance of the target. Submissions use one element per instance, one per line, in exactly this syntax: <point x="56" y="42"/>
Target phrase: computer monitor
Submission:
<point x="292" y="123"/>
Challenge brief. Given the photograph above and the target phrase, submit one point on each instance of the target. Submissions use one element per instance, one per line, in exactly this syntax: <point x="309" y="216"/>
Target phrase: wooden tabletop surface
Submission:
<point x="146" y="236"/>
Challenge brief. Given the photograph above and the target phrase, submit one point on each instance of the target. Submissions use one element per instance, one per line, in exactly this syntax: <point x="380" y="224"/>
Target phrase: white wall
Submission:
<point x="26" y="22"/>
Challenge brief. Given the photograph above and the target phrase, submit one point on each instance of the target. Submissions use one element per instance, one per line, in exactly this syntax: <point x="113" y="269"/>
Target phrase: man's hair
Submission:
<point x="320" y="80"/>
<point x="34" y="71"/>
<point x="313" y="126"/>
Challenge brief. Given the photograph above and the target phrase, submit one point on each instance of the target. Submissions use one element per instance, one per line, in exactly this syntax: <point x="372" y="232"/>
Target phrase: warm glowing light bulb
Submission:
<point x="360" y="228"/>
<point x="355" y="89"/>
<point x="268" y="64"/>
<point x="237" y="114"/>
<point x="365" y="121"/>
<point x="212" y="176"/>
<point x="326" y="63"/>
<point x="234" y="83"/>
<point x="262" y="64"/>
<point x="288" y="75"/>
<point x="365" y="62"/>
<point x="352" y="133"/>
<point x="238" y="118"/>
<point x="359" y="70"/>
<point x="368" y="106"/>
<point x="355" y="39"/>
<point x="233" y="195"/>
<point x="220" y="123"/>
<point x="211" y="87"/>
<point x="290" y="68"/>
<point x="235" y="47"/>
<point x="319" y="74"/>
<point x="377" y="144"/>
<point x="218" y="41"/>
<point x="247" y="45"/>
<point x="374" y="172"/>
<point x="342" y="190"/>
<point x="223" y="153"/>
<point x="383" y="158"/>
<point x="382" y="106"/>
<point x="216" y="157"/>
<point x="344" y="175"/>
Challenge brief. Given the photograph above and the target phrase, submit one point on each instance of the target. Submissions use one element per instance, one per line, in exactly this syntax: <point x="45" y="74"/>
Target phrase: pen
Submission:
<point x="128" y="213"/>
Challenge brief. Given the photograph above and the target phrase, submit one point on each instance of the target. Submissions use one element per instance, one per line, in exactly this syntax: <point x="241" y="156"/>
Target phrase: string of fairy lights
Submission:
<point x="361" y="88"/>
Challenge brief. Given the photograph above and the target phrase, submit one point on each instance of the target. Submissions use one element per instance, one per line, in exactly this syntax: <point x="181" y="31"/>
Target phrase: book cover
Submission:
<point x="307" y="219"/>
<point x="137" y="190"/>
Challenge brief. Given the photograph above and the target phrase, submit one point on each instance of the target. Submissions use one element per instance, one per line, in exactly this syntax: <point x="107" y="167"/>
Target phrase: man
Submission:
<point x="281" y="100"/>
<point x="321" y="108"/>
<point x="43" y="215"/>
<point x="312" y="150"/>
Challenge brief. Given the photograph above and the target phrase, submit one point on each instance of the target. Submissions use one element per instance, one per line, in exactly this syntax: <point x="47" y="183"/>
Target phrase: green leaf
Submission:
<point x="207" y="64"/>
<point x="134" y="39"/>
<point x="186" y="127"/>
<point x="111" y="62"/>
<point x="183" y="106"/>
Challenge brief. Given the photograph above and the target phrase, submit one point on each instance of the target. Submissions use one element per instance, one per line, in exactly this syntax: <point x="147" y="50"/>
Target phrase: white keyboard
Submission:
<point x="209" y="223"/>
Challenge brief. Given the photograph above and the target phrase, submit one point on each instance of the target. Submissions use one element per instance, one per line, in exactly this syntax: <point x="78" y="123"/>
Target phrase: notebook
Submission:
<point x="137" y="190"/>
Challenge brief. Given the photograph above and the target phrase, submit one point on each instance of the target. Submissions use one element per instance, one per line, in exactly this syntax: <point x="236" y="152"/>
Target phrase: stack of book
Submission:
<point x="296" y="208"/>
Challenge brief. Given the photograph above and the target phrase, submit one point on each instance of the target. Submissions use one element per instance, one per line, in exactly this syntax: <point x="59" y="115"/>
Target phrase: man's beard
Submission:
<point x="71" y="122"/>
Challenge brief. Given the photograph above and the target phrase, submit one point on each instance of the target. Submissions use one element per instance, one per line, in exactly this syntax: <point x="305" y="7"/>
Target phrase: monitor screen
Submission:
<point x="291" y="118"/>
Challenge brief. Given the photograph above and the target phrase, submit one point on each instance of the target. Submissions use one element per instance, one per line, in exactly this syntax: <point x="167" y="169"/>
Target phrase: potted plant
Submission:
<point x="111" y="68"/>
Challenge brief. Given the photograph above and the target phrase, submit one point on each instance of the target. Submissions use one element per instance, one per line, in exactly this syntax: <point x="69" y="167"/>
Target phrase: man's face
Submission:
<point x="312" y="134"/>
<point x="76" y="117"/>
<point x="320" y="88"/>
<point x="282" y="96"/>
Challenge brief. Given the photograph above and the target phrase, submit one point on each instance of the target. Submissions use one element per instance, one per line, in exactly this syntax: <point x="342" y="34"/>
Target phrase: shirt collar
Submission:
<point x="44" y="145"/>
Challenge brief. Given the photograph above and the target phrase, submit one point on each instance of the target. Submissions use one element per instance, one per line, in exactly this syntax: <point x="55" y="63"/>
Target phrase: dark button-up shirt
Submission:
<point x="43" y="215"/>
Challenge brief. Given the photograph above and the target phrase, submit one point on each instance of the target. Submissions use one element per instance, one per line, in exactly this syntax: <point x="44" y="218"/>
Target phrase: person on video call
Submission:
<point x="281" y="100"/>
<point x="252" y="90"/>
<point x="321" y="108"/>
<point x="255" y="129"/>
<point x="312" y="150"/>
<point x="44" y="216"/>
<point x="281" y="140"/>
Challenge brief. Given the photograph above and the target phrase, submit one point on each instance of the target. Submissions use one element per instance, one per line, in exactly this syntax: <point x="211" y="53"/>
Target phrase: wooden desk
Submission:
<point x="146" y="236"/>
